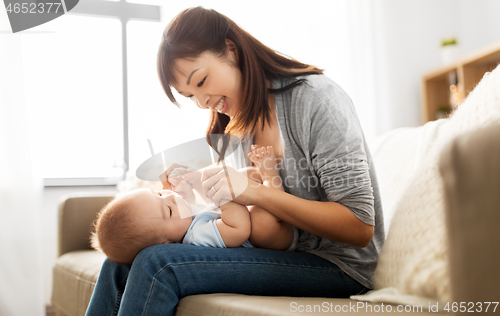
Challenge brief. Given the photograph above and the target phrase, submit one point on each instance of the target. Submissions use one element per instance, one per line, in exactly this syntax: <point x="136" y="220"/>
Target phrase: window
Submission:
<point x="76" y="85"/>
<point x="73" y="86"/>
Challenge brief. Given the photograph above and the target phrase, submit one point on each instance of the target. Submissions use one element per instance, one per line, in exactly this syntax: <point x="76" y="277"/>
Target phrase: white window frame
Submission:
<point x="123" y="11"/>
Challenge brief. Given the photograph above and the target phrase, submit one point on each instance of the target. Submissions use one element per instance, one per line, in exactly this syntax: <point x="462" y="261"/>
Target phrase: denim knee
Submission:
<point x="161" y="255"/>
<point x="152" y="286"/>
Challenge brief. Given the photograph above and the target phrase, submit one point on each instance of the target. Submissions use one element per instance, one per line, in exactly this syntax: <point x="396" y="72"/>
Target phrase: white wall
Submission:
<point x="478" y="23"/>
<point x="408" y="35"/>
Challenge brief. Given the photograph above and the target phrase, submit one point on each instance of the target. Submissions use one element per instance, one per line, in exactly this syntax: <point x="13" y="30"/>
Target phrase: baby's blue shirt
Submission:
<point x="203" y="230"/>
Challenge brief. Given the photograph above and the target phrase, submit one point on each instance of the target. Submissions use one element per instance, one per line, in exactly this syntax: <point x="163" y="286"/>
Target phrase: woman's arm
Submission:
<point x="327" y="219"/>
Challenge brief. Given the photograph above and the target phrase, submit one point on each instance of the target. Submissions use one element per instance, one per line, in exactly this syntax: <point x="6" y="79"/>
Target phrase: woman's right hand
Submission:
<point x="223" y="184"/>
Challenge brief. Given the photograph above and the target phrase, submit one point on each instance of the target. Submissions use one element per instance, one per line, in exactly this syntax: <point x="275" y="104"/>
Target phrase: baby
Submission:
<point x="144" y="217"/>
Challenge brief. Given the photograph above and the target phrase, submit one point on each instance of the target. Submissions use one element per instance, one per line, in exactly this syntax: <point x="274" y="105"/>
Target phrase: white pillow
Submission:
<point x="414" y="259"/>
<point x="394" y="154"/>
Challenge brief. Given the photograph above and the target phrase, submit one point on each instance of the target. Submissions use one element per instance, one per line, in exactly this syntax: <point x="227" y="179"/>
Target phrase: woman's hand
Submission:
<point x="222" y="184"/>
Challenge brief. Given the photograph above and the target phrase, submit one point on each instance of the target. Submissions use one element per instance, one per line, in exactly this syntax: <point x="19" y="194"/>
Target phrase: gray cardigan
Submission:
<point x="325" y="158"/>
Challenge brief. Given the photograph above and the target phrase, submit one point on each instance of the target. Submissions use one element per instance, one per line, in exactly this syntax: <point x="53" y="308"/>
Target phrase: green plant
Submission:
<point x="444" y="108"/>
<point x="448" y="41"/>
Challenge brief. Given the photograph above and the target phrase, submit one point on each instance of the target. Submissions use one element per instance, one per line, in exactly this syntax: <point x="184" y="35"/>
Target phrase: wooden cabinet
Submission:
<point x="443" y="89"/>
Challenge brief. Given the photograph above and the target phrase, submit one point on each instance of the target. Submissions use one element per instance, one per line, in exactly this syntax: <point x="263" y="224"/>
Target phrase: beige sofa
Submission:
<point x="440" y="184"/>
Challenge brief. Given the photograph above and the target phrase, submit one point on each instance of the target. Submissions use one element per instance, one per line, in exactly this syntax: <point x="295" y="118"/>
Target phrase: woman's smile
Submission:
<point x="221" y="106"/>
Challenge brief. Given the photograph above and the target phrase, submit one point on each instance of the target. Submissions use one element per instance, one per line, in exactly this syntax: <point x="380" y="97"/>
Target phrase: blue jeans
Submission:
<point x="161" y="275"/>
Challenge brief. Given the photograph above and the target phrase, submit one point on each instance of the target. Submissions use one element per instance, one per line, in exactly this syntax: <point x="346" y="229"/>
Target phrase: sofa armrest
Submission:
<point x="470" y="167"/>
<point x="77" y="212"/>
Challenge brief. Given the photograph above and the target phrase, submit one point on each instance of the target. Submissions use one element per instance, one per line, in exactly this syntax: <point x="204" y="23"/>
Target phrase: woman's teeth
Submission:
<point x="219" y="105"/>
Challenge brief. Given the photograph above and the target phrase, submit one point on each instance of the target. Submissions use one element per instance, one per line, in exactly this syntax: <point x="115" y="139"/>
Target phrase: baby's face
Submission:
<point x="164" y="210"/>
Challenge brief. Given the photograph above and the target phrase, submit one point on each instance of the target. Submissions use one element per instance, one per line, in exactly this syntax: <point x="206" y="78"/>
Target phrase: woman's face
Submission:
<point x="211" y="82"/>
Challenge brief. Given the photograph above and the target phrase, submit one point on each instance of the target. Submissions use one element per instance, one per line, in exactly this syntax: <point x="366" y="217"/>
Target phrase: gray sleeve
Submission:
<point x="335" y="143"/>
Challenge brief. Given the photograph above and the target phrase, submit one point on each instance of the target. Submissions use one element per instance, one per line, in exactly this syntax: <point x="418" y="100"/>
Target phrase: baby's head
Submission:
<point x="139" y="219"/>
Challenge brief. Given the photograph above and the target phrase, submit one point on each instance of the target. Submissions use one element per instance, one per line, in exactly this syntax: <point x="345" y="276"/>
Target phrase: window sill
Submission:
<point x="59" y="182"/>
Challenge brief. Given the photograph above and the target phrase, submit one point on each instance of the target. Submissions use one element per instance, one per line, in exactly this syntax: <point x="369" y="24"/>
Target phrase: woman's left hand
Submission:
<point x="222" y="184"/>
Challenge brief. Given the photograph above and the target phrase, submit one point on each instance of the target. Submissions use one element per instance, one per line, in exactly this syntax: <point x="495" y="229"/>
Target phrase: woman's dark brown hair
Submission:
<point x="198" y="30"/>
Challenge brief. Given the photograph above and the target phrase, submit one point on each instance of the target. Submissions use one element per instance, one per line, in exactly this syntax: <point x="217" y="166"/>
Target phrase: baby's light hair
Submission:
<point x="117" y="234"/>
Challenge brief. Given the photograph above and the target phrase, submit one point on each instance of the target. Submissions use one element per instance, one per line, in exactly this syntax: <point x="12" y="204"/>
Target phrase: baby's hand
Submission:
<point x="177" y="175"/>
<point x="184" y="189"/>
<point x="164" y="175"/>
<point x="193" y="177"/>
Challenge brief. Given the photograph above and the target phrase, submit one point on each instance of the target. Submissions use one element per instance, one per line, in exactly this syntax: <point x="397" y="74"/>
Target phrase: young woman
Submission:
<point x="331" y="195"/>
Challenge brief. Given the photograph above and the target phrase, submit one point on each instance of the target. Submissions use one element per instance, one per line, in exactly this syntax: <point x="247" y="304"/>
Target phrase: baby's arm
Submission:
<point x="234" y="224"/>
<point x="252" y="173"/>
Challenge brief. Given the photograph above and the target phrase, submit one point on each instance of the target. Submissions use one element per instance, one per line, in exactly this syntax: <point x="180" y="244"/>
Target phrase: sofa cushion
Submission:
<point x="74" y="278"/>
<point x="245" y="305"/>
<point x="414" y="259"/>
<point x="471" y="173"/>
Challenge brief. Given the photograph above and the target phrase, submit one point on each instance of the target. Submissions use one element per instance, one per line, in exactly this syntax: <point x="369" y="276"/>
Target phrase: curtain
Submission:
<point x="21" y="279"/>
